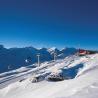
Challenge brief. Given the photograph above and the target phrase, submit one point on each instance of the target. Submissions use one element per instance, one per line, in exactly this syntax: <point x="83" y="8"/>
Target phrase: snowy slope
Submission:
<point x="84" y="84"/>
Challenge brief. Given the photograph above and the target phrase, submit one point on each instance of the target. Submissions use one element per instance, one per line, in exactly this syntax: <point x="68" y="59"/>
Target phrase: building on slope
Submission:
<point x="83" y="52"/>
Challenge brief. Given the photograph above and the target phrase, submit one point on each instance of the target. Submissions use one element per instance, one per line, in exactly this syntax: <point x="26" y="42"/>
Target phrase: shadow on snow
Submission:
<point x="71" y="73"/>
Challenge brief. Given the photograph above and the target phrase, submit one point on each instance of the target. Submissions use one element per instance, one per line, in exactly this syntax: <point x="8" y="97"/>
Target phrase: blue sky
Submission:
<point x="49" y="23"/>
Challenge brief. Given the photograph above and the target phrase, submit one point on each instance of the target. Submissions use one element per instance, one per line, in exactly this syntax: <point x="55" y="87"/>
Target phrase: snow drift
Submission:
<point x="83" y="83"/>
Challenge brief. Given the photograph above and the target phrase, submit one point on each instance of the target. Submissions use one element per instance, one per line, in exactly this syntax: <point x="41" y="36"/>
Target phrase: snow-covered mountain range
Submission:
<point x="83" y="83"/>
<point x="17" y="57"/>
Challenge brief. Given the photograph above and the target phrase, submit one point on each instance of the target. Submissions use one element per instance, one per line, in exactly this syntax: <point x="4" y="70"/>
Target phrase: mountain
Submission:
<point x="83" y="81"/>
<point x="16" y="57"/>
<point x="67" y="51"/>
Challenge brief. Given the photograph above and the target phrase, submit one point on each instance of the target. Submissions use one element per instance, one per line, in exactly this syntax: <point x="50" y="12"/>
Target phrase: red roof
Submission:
<point x="82" y="51"/>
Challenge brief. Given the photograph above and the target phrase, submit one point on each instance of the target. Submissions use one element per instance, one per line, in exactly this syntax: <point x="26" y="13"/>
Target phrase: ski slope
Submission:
<point x="84" y="84"/>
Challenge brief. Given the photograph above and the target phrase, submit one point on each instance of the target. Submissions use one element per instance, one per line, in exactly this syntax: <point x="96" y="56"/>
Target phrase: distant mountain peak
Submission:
<point x="52" y="49"/>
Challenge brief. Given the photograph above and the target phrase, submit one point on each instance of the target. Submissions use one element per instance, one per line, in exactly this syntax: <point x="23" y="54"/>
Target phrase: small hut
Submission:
<point x="82" y="52"/>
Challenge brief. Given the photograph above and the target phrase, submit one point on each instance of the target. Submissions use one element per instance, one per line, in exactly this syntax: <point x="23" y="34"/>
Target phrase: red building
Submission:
<point x="83" y="52"/>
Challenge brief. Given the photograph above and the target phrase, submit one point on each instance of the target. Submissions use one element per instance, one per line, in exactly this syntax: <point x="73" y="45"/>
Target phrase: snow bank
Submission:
<point x="84" y="85"/>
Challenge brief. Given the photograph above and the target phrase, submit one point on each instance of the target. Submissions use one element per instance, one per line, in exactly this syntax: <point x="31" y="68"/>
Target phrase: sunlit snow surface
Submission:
<point x="84" y="85"/>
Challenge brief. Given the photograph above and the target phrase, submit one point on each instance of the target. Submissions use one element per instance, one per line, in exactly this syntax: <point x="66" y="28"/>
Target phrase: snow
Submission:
<point x="14" y="58"/>
<point x="52" y="49"/>
<point x="84" y="85"/>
